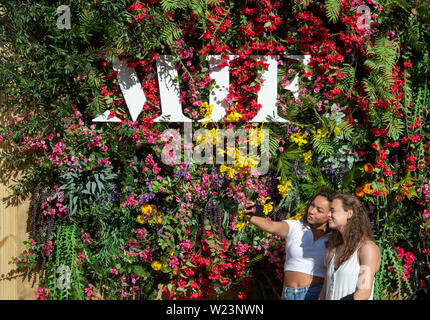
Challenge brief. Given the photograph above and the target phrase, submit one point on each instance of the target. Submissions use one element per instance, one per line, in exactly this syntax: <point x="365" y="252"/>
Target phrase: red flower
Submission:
<point x="400" y="252"/>
<point x="241" y="296"/>
<point x="374" y="146"/>
<point x="409" y="258"/>
<point x="412" y="159"/>
<point x="411" y="168"/>
<point x="415" y="139"/>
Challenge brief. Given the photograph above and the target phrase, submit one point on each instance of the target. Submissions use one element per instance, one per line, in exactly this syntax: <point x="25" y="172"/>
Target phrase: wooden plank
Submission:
<point x="13" y="232"/>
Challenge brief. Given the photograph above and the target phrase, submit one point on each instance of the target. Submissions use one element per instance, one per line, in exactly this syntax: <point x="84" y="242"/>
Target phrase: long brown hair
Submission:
<point x="357" y="227"/>
<point x="324" y="192"/>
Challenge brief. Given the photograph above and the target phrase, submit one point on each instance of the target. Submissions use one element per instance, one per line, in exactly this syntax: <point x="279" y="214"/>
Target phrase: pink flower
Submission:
<point x="410" y="258"/>
<point x="42" y="293"/>
<point x="400" y="252"/>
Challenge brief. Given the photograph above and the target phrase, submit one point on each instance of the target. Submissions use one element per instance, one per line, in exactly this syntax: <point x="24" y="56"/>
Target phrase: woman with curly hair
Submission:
<point x="305" y="246"/>
<point x="352" y="255"/>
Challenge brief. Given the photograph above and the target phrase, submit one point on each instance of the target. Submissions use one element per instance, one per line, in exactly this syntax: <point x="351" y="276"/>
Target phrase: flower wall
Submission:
<point x="111" y="220"/>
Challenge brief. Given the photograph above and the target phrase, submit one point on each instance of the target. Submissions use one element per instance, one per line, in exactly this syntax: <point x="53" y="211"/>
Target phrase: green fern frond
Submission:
<point x="333" y="9"/>
<point x="169" y="5"/>
<point x="346" y="84"/>
<point x="394" y="125"/>
<point x="286" y="161"/>
<point x="323" y="146"/>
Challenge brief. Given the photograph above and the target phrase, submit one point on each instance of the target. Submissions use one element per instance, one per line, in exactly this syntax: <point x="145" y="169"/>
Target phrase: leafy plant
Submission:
<point x="66" y="281"/>
<point x="83" y="187"/>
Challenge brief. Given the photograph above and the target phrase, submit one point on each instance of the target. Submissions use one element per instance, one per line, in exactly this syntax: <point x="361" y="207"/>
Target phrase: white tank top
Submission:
<point x="303" y="254"/>
<point x="343" y="281"/>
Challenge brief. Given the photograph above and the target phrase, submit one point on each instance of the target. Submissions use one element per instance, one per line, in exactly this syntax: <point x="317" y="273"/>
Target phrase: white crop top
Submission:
<point x="303" y="254"/>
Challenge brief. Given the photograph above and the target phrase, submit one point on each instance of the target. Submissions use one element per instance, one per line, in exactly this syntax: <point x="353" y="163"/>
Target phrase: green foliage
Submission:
<point x="389" y="279"/>
<point x="66" y="281"/>
<point x="58" y="80"/>
<point x="346" y="84"/>
<point x="83" y="187"/>
<point x="383" y="56"/>
<point x="333" y="9"/>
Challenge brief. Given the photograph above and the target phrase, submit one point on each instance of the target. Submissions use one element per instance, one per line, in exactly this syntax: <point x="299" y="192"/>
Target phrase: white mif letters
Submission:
<point x="171" y="107"/>
<point x="131" y="89"/>
<point x="169" y="91"/>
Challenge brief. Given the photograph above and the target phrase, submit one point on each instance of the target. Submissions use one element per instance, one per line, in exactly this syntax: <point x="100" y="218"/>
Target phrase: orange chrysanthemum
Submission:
<point x="368" y="168"/>
<point x="359" y="192"/>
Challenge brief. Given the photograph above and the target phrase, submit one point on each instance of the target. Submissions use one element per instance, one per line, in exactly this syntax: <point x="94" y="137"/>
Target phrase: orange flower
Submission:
<point x="367" y="189"/>
<point x="359" y="192"/>
<point x="368" y="167"/>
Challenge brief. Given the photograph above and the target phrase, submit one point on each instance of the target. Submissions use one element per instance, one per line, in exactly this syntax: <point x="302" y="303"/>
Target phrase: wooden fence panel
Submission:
<point x="13" y="232"/>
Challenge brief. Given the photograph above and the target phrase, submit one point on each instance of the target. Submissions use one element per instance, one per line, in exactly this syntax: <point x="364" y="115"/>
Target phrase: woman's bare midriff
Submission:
<point x="294" y="279"/>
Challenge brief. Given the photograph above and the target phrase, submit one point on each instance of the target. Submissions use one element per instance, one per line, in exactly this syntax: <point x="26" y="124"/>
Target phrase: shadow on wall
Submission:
<point x="9" y="174"/>
<point x="15" y="283"/>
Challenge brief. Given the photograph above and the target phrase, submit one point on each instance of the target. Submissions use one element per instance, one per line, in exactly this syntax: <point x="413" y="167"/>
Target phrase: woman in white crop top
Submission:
<point x="306" y="246"/>
<point x="352" y="256"/>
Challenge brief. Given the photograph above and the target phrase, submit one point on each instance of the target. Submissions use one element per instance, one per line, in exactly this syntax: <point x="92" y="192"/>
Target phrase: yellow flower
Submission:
<point x="299" y="215"/>
<point x="240" y="157"/>
<point x="231" y="152"/>
<point x="156" y="265"/>
<point x="146" y="209"/>
<point x="284" y="188"/>
<point x="256" y="136"/>
<point x="308" y="156"/>
<point x="252" y="162"/>
<point x="240" y="226"/>
<point x="200" y="139"/>
<point x="175" y="272"/>
<point x="268" y="206"/>
<point x="213" y="131"/>
<point x="233" y="116"/>
<point x="320" y="133"/>
<point x="299" y="138"/>
<point x="253" y="137"/>
<point x="157" y="219"/>
<point x="206" y="109"/>
<point x="223" y="168"/>
<point x="141" y="219"/>
<point x="230" y="172"/>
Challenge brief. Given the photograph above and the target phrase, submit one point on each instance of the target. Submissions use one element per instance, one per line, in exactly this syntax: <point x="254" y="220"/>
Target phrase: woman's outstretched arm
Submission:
<point x="279" y="228"/>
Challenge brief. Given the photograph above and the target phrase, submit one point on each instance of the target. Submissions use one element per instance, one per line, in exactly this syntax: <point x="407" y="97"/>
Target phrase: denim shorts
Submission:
<point x="304" y="293"/>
